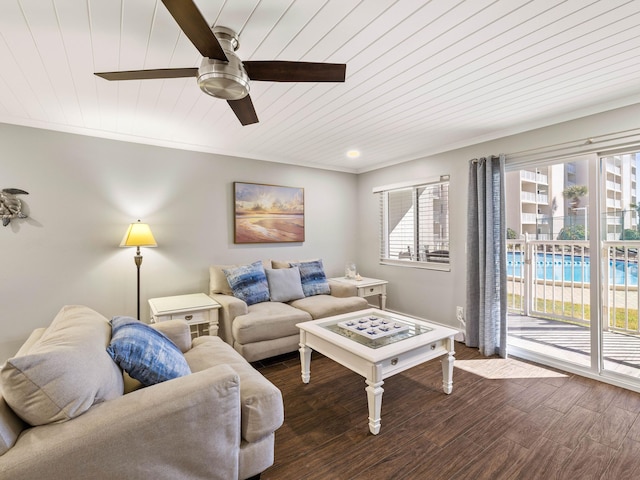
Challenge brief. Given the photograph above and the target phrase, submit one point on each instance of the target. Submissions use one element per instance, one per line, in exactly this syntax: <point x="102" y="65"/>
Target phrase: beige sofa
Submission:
<point x="267" y="329"/>
<point x="216" y="423"/>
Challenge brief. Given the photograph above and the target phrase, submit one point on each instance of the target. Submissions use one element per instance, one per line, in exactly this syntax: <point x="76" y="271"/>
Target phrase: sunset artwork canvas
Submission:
<point x="268" y="213"/>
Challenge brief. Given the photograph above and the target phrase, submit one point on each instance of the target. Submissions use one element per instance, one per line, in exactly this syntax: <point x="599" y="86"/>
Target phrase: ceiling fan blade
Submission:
<point x="196" y="28"/>
<point x="149" y="74"/>
<point x="244" y="110"/>
<point x="280" y="71"/>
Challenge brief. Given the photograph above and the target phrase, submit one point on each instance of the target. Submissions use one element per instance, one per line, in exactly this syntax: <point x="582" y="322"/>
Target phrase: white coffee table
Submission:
<point x="377" y="358"/>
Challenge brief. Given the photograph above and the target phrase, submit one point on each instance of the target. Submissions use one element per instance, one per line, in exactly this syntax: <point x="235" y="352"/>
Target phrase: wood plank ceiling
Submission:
<point x="423" y="76"/>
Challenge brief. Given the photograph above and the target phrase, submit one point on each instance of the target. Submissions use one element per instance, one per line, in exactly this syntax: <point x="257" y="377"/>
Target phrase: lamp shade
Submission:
<point x="138" y="235"/>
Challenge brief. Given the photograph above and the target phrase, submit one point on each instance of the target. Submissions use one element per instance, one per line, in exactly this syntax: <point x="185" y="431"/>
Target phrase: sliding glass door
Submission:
<point x="549" y="260"/>
<point x="572" y="265"/>
<point x="621" y="234"/>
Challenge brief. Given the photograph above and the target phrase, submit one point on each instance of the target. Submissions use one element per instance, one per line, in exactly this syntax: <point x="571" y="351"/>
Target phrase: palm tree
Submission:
<point x="574" y="193"/>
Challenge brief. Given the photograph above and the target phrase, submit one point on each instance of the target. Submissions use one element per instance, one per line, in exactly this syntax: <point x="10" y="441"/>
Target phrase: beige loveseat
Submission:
<point x="268" y="328"/>
<point x="216" y="423"/>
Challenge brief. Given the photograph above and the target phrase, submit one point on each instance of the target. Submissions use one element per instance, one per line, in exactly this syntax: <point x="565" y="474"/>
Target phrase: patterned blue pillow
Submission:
<point x="248" y="283"/>
<point x="314" y="281"/>
<point x="144" y="352"/>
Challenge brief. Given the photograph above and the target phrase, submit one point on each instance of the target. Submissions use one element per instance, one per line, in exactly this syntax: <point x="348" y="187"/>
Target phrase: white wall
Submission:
<point x="83" y="193"/>
<point x="434" y="294"/>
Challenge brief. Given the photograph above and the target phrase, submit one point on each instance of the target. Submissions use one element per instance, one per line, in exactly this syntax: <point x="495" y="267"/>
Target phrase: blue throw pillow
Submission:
<point x="144" y="352"/>
<point x="248" y="283"/>
<point x="314" y="281"/>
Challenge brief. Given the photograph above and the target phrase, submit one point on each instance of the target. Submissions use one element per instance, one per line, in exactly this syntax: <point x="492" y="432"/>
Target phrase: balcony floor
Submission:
<point x="571" y="343"/>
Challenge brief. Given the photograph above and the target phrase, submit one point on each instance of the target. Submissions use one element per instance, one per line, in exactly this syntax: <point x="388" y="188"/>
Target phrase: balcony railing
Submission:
<point x="534" y="219"/>
<point x="529" y="197"/>
<point x="543" y="179"/>
<point x="551" y="279"/>
<point x="533" y="177"/>
<point x="621" y="303"/>
<point x="616" y="187"/>
<point x="613" y="169"/>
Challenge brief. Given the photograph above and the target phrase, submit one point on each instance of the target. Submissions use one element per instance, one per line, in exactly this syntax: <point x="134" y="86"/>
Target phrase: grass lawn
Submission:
<point x="573" y="310"/>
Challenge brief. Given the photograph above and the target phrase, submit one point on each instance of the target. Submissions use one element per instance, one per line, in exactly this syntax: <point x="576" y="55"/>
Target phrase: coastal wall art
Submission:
<point x="268" y="213"/>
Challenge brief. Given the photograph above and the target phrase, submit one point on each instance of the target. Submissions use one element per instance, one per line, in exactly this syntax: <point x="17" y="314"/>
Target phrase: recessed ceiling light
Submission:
<point x="353" y="154"/>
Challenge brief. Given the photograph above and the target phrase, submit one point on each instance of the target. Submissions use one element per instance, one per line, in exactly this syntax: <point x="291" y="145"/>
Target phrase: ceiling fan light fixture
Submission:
<point x="226" y="80"/>
<point x="223" y="80"/>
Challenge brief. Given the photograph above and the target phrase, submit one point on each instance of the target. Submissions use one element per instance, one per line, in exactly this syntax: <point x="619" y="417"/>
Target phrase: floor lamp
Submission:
<point x="138" y="235"/>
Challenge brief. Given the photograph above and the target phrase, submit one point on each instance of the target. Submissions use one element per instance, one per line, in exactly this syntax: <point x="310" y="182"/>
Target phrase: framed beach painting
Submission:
<point x="268" y="213"/>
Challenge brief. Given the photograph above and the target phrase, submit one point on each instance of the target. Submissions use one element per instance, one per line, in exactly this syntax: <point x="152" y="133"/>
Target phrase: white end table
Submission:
<point x="368" y="287"/>
<point x="198" y="309"/>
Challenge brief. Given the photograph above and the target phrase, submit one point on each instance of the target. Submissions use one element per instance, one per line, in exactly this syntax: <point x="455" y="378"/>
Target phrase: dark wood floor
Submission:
<point x="506" y="419"/>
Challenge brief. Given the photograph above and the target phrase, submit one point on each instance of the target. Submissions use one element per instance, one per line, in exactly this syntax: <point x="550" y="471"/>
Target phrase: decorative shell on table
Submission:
<point x="10" y="205"/>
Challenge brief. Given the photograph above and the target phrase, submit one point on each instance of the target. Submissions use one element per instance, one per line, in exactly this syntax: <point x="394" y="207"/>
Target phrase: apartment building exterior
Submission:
<point x="537" y="208"/>
<point x="620" y="203"/>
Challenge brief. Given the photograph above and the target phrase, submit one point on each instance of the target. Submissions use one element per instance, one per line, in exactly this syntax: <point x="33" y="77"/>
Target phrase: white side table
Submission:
<point x="368" y="287"/>
<point x="198" y="309"/>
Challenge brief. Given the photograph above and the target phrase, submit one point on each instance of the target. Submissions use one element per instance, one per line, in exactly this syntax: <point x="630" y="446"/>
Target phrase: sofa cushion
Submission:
<point x="277" y="264"/>
<point x="177" y="331"/>
<point x="266" y="321"/>
<point x="218" y="280"/>
<point x="287" y="263"/>
<point x="65" y="371"/>
<point x="10" y="426"/>
<point x="321" y="306"/>
<point x="253" y="352"/>
<point x="262" y="410"/>
<point x="145" y="353"/>
<point x="248" y="283"/>
<point x="340" y="289"/>
<point x="284" y="284"/>
<point x="314" y="280"/>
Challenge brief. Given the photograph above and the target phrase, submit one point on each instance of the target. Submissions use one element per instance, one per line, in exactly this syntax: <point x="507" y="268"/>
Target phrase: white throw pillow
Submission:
<point x="284" y="284"/>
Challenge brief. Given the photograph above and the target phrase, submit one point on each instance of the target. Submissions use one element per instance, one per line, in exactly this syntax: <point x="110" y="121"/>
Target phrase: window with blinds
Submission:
<point x="414" y="224"/>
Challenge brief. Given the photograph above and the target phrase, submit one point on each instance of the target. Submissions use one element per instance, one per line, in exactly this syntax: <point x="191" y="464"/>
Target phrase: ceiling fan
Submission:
<point x="222" y="74"/>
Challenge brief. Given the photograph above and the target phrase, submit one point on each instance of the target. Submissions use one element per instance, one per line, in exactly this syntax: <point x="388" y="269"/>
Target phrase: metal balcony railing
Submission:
<point x="551" y="279"/>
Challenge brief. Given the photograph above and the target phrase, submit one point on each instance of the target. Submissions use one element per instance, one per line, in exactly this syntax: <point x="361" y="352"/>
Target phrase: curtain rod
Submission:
<point x="592" y="144"/>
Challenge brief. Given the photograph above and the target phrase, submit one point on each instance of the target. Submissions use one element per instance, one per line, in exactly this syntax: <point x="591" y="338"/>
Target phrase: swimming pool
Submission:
<point x="567" y="268"/>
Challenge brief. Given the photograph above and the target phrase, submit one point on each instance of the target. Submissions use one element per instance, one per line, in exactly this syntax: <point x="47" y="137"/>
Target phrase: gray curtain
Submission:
<point x="486" y="257"/>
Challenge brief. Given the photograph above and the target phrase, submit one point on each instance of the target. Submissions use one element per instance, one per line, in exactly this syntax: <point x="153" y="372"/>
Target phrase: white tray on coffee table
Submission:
<point x="373" y="327"/>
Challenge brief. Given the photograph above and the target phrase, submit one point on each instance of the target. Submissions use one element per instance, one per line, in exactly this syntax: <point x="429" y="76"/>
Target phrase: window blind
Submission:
<point x="414" y="224"/>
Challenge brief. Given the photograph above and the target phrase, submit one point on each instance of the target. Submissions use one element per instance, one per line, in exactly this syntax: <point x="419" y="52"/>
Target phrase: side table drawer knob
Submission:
<point x="394" y="361"/>
<point x="188" y="317"/>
